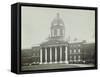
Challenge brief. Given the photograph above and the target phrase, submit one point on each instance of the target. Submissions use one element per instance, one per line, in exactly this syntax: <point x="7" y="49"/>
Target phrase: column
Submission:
<point x="40" y="55"/>
<point x="55" y="54"/>
<point x="50" y="55"/>
<point x="66" y="56"/>
<point x="45" y="55"/>
<point x="60" y="54"/>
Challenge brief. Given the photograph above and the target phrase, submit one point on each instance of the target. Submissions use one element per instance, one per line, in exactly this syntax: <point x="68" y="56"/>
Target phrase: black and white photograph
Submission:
<point x="57" y="38"/>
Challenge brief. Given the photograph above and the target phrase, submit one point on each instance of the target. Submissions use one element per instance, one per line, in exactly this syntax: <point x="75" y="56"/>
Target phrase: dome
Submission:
<point x="57" y="21"/>
<point x="57" y="28"/>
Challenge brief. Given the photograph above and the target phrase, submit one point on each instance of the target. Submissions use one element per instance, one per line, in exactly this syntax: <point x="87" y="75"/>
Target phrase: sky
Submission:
<point x="36" y="23"/>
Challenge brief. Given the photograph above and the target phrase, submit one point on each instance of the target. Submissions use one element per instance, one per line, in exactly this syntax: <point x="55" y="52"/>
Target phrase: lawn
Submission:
<point x="48" y="66"/>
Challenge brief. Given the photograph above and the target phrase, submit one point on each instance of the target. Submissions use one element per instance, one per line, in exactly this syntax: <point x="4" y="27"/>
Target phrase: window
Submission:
<point x="78" y="58"/>
<point x="55" y="32"/>
<point x="74" y="50"/>
<point x="58" y="32"/>
<point x="61" y="32"/>
<point x="79" y="45"/>
<point x="78" y="50"/>
<point x="52" y="32"/>
<point x="70" y="58"/>
<point x="70" y="51"/>
<point x="75" y="58"/>
<point x="70" y="45"/>
<point x="33" y="55"/>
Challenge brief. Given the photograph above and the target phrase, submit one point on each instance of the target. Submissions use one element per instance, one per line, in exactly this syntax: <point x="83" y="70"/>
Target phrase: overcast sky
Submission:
<point x="36" y="23"/>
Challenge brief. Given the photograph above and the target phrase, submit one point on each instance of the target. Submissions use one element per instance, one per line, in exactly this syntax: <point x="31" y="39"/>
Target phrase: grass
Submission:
<point x="48" y="66"/>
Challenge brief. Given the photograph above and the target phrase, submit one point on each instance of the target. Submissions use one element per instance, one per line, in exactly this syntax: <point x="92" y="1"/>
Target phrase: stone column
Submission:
<point x="55" y="54"/>
<point x="40" y="55"/>
<point x="66" y="56"/>
<point x="50" y="55"/>
<point x="45" y="55"/>
<point x="60" y="54"/>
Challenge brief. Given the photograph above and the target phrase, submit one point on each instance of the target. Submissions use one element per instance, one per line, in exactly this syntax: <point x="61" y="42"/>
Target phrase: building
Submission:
<point x="57" y="50"/>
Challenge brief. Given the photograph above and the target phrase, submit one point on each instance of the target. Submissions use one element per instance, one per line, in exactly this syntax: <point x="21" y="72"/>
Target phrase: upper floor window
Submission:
<point x="79" y="58"/>
<point x="70" y="51"/>
<point x="74" y="50"/>
<point x="78" y="50"/>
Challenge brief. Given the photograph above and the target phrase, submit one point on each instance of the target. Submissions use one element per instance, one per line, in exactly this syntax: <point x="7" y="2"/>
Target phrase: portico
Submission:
<point x="53" y="54"/>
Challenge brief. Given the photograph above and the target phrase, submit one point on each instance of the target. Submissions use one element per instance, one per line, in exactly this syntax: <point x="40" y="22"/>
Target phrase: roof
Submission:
<point x="57" y="21"/>
<point x="53" y="42"/>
